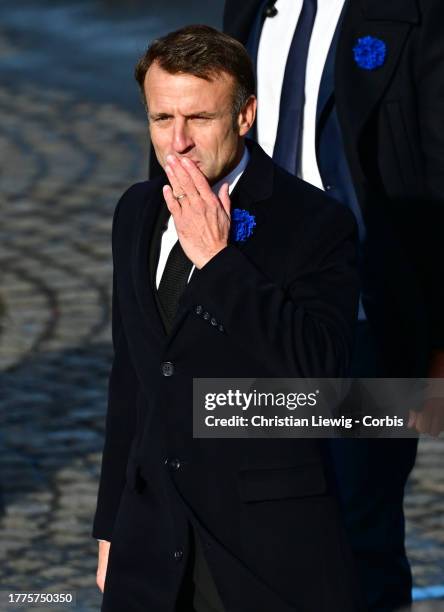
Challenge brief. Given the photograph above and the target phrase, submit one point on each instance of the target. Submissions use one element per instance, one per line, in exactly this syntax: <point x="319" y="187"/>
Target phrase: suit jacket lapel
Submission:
<point x="251" y="193"/>
<point x="327" y="84"/>
<point x="358" y="90"/>
<point x="145" y="256"/>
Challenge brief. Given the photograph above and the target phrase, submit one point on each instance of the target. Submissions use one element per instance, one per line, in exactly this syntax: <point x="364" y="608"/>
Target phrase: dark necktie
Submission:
<point x="172" y="284"/>
<point x="289" y="133"/>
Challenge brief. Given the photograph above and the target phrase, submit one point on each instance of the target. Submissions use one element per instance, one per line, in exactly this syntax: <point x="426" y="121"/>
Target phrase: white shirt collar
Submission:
<point x="234" y="175"/>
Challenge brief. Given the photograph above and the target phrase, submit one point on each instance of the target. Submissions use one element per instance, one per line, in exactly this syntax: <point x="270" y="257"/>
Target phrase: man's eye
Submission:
<point x="200" y="119"/>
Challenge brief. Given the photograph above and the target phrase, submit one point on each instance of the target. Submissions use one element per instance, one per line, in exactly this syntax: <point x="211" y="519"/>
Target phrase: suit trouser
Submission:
<point x="371" y="475"/>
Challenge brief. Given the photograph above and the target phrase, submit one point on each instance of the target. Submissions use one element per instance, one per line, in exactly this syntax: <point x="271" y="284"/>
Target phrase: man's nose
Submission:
<point x="182" y="139"/>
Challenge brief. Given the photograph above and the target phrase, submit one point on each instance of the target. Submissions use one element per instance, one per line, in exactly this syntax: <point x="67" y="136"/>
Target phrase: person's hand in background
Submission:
<point x="430" y="420"/>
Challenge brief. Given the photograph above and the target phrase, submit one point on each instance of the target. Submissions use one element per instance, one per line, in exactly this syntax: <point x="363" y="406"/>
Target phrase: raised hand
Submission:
<point x="202" y="219"/>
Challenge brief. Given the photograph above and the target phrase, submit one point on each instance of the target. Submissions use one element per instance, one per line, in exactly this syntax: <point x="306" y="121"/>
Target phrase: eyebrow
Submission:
<point x="205" y="114"/>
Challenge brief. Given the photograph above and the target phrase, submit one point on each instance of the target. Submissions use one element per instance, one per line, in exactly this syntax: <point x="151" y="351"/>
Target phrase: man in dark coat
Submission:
<point x="351" y="99"/>
<point x="234" y="525"/>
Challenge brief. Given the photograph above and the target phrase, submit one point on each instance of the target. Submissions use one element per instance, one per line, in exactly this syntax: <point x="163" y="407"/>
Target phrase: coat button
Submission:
<point x="167" y="368"/>
<point x="213" y="321"/>
<point x="178" y="555"/>
<point x="206" y="316"/>
<point x="175" y="464"/>
<point x="198" y="309"/>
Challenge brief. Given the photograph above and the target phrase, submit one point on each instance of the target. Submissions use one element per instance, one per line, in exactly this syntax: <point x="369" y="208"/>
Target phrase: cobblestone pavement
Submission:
<point x="64" y="165"/>
<point x="64" y="161"/>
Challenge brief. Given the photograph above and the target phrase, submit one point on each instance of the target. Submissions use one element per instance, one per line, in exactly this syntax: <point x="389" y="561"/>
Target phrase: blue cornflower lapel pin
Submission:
<point x="370" y="52"/>
<point x="242" y="224"/>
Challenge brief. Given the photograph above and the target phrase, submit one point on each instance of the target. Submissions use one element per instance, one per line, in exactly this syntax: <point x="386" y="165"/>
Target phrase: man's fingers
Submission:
<point x="199" y="179"/>
<point x="102" y="564"/>
<point x="174" y="181"/>
<point x="431" y="418"/>
<point x="182" y="178"/>
<point x="435" y="410"/>
<point x="412" y="419"/>
<point x="100" y="581"/>
<point x="173" y="205"/>
<point x="225" y="198"/>
<point x="423" y="421"/>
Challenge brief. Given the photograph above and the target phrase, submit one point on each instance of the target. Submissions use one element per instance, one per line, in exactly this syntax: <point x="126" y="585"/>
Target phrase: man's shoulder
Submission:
<point x="291" y="198"/>
<point x="238" y="17"/>
<point x="307" y="219"/>
<point x="139" y="192"/>
<point x="301" y="200"/>
<point x="289" y="186"/>
<point x="137" y="196"/>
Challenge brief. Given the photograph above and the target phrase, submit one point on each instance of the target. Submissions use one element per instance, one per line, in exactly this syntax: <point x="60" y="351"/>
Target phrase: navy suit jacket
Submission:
<point x="284" y="303"/>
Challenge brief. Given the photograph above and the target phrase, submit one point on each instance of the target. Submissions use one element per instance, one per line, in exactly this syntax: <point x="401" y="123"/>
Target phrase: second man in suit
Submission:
<point x="351" y="99"/>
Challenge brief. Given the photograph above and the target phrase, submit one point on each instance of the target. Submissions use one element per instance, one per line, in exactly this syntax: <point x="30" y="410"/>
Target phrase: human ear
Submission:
<point x="247" y="115"/>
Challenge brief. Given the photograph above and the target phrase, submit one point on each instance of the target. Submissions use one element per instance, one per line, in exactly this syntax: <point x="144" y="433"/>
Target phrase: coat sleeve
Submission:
<point x="430" y="103"/>
<point x="302" y="329"/>
<point x="120" y="423"/>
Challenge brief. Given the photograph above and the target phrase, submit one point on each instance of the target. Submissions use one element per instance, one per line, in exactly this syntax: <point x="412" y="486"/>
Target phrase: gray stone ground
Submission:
<point x="64" y="164"/>
<point x="66" y="154"/>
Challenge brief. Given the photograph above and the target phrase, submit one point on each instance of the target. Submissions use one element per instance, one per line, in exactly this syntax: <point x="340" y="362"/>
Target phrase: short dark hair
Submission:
<point x="203" y="52"/>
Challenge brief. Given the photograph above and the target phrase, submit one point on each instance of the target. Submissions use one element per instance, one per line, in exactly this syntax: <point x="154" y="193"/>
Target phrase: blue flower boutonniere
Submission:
<point x="369" y="52"/>
<point x="242" y="224"/>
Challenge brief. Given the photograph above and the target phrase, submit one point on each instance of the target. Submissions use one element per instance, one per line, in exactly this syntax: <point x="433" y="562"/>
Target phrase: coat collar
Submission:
<point x="256" y="183"/>
<point x="143" y="253"/>
<point x="254" y="189"/>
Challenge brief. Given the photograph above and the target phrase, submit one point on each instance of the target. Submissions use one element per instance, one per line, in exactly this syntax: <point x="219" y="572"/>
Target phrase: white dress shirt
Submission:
<point x="169" y="237"/>
<point x="274" y="45"/>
